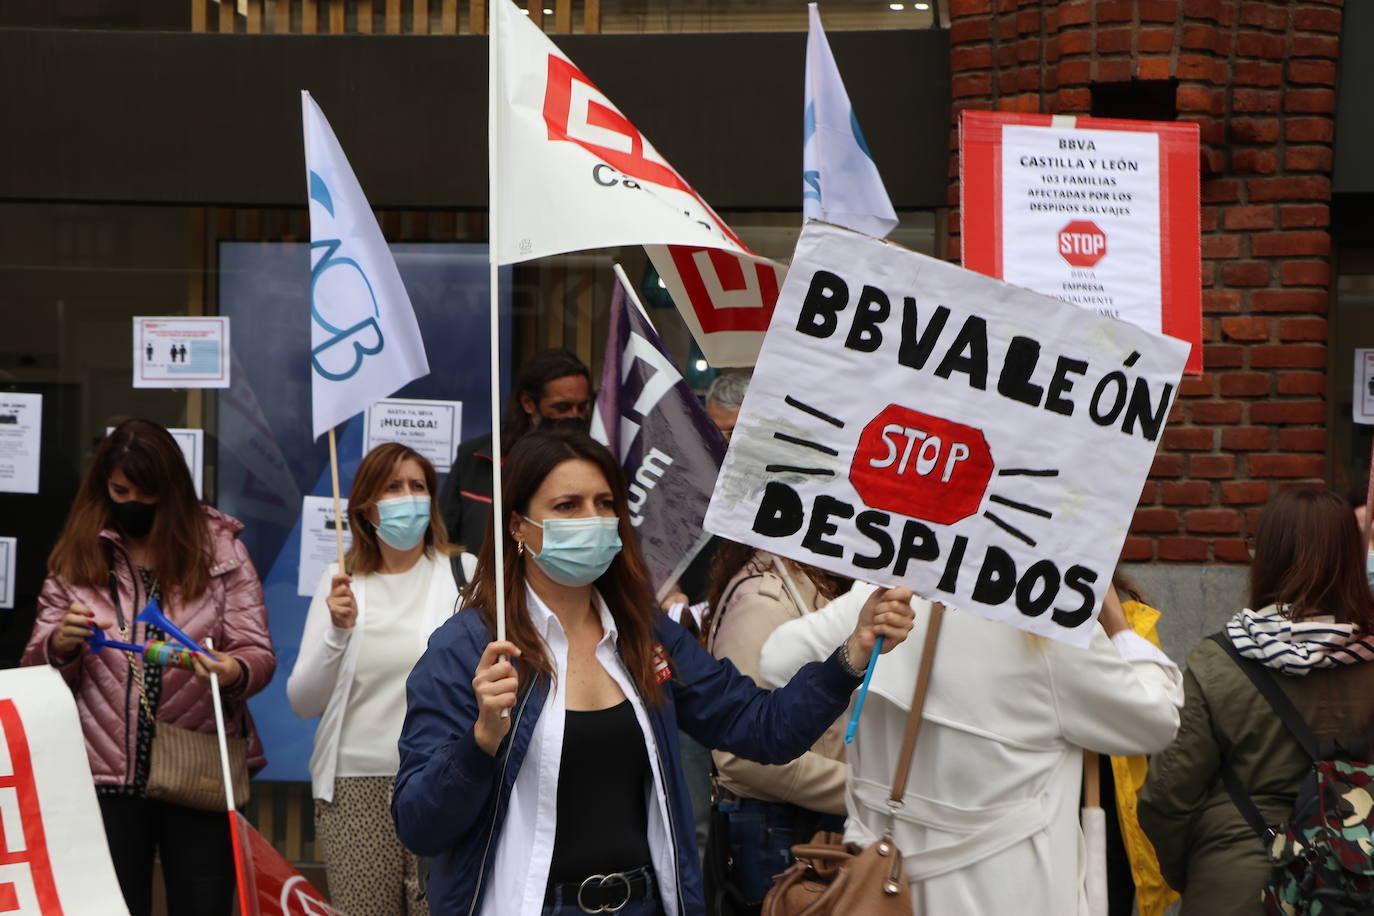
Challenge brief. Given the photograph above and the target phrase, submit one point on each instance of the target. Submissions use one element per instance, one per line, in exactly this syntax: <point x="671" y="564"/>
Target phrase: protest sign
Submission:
<point x="913" y="423"/>
<point x="54" y="860"/>
<point x="648" y="417"/>
<point x="1101" y="213"/>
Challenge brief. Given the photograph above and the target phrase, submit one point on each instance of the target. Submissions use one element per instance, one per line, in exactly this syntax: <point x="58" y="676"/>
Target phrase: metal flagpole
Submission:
<point x="229" y="801"/>
<point x="493" y="158"/>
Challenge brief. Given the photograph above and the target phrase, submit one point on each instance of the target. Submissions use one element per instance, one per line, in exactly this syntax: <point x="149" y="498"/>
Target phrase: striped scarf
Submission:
<point x="1295" y="647"/>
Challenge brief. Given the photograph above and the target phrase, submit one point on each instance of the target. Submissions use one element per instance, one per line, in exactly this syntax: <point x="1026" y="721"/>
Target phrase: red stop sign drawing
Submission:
<point x="1082" y="244"/>
<point x="921" y="466"/>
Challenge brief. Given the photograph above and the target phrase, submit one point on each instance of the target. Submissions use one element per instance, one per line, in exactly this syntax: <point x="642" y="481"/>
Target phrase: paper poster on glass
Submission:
<point x="181" y="352"/>
<point x="319" y="545"/>
<point x="430" y="427"/>
<point x="8" y="552"/>
<point x="21" y="430"/>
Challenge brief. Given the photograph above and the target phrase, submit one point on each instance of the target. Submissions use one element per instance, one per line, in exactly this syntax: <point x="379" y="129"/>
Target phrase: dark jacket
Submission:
<point x="1206" y="850"/>
<point x="465" y="497"/>
<point x="451" y="798"/>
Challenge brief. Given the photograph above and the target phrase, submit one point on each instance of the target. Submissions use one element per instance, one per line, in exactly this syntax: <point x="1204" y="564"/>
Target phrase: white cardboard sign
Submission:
<point x="181" y="352"/>
<point x="55" y="856"/>
<point x="319" y="547"/>
<point x="913" y="423"/>
<point x="430" y="427"/>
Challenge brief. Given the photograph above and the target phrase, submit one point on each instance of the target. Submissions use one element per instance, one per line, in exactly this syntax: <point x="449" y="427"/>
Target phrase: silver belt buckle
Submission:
<point x="602" y="881"/>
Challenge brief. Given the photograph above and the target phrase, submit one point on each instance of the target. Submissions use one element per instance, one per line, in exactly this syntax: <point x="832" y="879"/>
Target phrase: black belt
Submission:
<point x="603" y="893"/>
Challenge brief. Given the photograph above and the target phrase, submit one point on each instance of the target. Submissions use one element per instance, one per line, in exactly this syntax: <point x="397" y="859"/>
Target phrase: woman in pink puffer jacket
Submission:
<point x="136" y="530"/>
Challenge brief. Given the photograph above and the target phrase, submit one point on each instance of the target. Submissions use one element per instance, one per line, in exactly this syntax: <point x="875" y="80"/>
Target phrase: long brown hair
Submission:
<point x="1308" y="559"/>
<point x="179" y="540"/>
<point x="369" y="486"/>
<point x="624" y="585"/>
<point x="732" y="556"/>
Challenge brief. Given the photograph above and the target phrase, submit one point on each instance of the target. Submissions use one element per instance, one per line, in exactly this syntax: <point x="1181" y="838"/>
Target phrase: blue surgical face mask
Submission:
<point x="402" y="521"/>
<point x="577" y="551"/>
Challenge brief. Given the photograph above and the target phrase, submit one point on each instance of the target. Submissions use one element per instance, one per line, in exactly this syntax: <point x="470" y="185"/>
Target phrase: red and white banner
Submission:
<point x="575" y="174"/>
<point x="1104" y="214"/>
<point x="54" y="860"/>
<point x="726" y="299"/>
<point x="274" y="887"/>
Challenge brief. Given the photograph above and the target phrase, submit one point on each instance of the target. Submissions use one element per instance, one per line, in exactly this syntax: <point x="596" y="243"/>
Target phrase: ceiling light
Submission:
<point x="895" y="6"/>
<point x="525" y="11"/>
<point x="661" y="284"/>
<point x="701" y="365"/>
<point x="547" y="11"/>
<point x="920" y="6"/>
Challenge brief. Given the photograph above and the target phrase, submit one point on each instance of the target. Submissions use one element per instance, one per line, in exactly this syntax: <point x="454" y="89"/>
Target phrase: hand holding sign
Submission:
<point x="883" y="624"/>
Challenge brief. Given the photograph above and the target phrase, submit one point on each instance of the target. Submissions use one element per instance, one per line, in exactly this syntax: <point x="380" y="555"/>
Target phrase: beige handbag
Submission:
<point x="185" y="768"/>
<point x="830" y="878"/>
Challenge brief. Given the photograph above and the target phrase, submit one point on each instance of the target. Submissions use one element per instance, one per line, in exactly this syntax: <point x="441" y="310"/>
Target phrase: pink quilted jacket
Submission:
<point x="231" y="612"/>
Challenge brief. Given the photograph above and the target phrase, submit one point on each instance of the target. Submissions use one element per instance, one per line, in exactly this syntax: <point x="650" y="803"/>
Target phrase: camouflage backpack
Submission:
<point x="1323" y="855"/>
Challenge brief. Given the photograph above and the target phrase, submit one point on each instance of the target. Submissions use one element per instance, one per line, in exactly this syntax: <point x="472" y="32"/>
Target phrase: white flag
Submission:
<point x="364" y="340"/>
<point x="840" y="183"/>
<point x="726" y="299"/>
<point x="574" y="172"/>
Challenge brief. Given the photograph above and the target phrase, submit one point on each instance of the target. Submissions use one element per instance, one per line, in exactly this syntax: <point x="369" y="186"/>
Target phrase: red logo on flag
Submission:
<point x="269" y="882"/>
<point x="578" y="112"/>
<point x="726" y="292"/>
<point x="1082" y="244"/>
<point x="921" y="466"/>
<point x="24" y="863"/>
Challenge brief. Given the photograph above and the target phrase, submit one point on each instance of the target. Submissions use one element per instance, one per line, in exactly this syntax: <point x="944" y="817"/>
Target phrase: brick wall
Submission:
<point x="1259" y="79"/>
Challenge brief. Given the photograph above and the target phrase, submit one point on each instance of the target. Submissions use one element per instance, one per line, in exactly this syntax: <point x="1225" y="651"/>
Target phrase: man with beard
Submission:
<point x="552" y="389"/>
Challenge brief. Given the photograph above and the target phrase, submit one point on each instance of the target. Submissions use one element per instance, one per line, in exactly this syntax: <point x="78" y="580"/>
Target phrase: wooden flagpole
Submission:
<point x="338" y="514"/>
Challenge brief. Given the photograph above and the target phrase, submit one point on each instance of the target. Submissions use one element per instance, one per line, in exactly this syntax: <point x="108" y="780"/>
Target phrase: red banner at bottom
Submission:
<point x="268" y="884"/>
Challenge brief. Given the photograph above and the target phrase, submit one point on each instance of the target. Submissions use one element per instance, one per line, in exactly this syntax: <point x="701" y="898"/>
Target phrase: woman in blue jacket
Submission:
<point x="575" y="803"/>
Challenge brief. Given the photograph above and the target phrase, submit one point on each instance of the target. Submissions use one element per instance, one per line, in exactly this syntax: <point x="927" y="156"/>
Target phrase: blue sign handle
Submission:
<point x="863" y="691"/>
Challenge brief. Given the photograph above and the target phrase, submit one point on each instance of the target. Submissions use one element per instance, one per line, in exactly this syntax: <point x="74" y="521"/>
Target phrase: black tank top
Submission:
<point x="603" y="795"/>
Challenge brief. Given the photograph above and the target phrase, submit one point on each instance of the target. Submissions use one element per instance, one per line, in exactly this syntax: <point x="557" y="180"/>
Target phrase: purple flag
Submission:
<point x="669" y="449"/>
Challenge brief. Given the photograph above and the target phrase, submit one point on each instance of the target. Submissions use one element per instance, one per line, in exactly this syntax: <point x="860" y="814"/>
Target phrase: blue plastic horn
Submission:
<point x="152" y="614"/>
<point x="100" y="641"/>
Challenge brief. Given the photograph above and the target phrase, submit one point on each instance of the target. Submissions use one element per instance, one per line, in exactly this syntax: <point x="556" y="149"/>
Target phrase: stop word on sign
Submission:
<point x="1082" y="244"/>
<point x="921" y="466"/>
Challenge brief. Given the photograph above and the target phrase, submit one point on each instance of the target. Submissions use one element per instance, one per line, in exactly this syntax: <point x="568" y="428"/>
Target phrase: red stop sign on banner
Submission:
<point x="921" y="466"/>
<point x="1082" y="244"/>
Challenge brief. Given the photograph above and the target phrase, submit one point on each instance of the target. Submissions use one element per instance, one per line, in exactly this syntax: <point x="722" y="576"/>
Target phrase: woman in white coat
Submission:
<point x="363" y="634"/>
<point x="990" y="820"/>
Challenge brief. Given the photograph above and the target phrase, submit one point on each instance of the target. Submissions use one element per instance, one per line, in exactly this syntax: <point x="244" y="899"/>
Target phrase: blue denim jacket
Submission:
<point x="451" y="797"/>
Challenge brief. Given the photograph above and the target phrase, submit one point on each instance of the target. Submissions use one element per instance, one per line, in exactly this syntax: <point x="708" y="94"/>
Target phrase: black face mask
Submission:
<point x="133" y="518"/>
<point x="562" y="424"/>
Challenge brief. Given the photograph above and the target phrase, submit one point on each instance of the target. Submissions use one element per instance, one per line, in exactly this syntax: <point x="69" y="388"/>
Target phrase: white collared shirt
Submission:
<point x="524" y="853"/>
